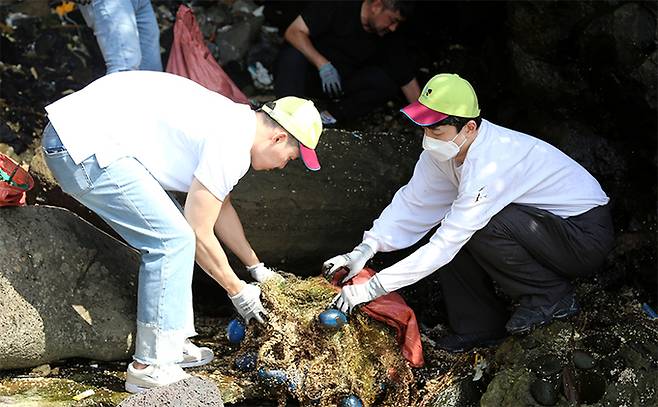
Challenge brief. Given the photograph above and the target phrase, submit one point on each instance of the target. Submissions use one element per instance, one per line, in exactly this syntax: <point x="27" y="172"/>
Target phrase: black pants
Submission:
<point x="531" y="254"/>
<point x="363" y="87"/>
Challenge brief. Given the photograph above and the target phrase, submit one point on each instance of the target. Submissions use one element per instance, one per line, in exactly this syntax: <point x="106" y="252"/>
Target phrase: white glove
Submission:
<point x="247" y="302"/>
<point x="352" y="295"/>
<point x="261" y="273"/>
<point x="353" y="261"/>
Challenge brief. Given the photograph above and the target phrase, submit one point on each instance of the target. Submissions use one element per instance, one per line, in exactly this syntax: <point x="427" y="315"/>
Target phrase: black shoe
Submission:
<point x="462" y="343"/>
<point x="525" y="318"/>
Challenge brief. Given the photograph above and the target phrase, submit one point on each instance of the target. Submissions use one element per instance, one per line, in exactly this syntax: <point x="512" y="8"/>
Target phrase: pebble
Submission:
<point x="544" y="392"/>
<point x="583" y="360"/>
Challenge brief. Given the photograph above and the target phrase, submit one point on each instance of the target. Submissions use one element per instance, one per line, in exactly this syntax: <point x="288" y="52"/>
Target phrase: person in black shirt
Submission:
<point x="349" y="52"/>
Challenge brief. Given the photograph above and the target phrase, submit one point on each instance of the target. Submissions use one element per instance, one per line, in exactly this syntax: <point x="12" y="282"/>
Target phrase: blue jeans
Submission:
<point x="127" y="34"/>
<point x="126" y="196"/>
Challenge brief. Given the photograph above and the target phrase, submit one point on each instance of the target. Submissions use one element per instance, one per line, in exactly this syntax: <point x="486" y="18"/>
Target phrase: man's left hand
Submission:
<point x="261" y="273"/>
<point x="352" y="295"/>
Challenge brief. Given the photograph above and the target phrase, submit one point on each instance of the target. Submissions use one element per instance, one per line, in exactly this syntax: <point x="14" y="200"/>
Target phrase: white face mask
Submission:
<point x="442" y="150"/>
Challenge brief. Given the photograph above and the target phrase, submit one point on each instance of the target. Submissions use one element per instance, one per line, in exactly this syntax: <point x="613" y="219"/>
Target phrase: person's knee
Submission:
<point x="182" y="240"/>
<point x="496" y="229"/>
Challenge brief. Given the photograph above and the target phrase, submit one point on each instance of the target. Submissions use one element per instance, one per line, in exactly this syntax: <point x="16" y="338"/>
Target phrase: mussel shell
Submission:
<point x="246" y="362"/>
<point x="273" y="376"/>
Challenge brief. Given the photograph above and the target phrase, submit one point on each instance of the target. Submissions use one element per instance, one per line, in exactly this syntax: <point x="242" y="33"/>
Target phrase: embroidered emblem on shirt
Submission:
<point x="481" y="194"/>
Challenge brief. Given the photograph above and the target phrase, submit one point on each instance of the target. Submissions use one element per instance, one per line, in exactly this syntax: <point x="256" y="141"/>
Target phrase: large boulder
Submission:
<point x="300" y="218"/>
<point x="66" y="289"/>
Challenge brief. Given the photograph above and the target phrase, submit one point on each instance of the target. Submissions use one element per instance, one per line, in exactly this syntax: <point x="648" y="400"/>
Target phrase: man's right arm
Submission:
<point x="202" y="209"/>
<point x="415" y="209"/>
<point x="299" y="36"/>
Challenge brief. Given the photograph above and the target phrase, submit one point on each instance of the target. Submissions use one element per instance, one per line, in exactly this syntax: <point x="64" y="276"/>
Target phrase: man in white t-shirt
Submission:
<point x="510" y="208"/>
<point x="118" y="144"/>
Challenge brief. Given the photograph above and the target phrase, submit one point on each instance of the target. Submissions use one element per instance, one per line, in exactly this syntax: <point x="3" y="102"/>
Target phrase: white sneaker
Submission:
<point x="139" y="380"/>
<point x="194" y="356"/>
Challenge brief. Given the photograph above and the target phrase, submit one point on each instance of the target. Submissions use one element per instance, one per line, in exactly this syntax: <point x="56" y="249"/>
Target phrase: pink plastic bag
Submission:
<point x="191" y="58"/>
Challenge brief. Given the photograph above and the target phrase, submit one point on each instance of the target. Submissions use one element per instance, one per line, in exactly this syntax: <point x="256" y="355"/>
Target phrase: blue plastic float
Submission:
<point x="351" y="401"/>
<point x="235" y="331"/>
<point x="332" y="319"/>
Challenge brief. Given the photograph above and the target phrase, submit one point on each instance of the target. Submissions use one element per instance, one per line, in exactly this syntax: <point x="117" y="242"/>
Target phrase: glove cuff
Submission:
<point x="375" y="287"/>
<point x="254" y="267"/>
<point x="240" y="293"/>
<point x="366" y="249"/>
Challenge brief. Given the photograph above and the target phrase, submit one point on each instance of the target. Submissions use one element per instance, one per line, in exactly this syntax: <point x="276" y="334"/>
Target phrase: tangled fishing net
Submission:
<point x="296" y="356"/>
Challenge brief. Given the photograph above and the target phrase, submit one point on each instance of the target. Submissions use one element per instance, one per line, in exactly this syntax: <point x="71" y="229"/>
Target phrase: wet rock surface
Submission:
<point x="192" y="392"/>
<point x="66" y="289"/>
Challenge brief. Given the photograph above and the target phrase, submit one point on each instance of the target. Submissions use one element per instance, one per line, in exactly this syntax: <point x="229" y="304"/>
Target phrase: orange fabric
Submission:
<point x="13" y="194"/>
<point x="191" y="58"/>
<point x="393" y="311"/>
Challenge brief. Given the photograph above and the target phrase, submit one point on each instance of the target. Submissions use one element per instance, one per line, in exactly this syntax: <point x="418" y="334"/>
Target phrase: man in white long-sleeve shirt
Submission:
<point x="511" y="208"/>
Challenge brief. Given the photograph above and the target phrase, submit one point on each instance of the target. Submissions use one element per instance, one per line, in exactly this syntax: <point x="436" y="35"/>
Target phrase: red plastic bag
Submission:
<point x="393" y="311"/>
<point x="191" y="58"/>
<point x="14" y="182"/>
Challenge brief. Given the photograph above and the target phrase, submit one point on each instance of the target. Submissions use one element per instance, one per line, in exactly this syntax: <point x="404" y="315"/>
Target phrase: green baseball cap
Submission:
<point x="446" y="94"/>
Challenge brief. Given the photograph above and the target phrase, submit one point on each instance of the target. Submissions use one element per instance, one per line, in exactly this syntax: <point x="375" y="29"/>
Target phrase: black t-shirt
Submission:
<point x="336" y="32"/>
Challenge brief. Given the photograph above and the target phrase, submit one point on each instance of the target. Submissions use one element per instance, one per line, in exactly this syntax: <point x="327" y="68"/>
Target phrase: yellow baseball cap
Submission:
<point x="446" y="94"/>
<point x="301" y="119"/>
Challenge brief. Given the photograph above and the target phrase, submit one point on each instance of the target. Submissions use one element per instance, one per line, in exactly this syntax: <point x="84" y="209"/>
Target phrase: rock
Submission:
<point x="645" y="74"/>
<point x="592" y="387"/>
<point x="234" y="41"/>
<point x="544" y="392"/>
<point x="532" y="25"/>
<point x="323" y="213"/>
<point x="622" y="38"/>
<point x="456" y="394"/>
<point x="41" y="371"/>
<point x="541" y="77"/>
<point x="546" y="365"/>
<point x="583" y="360"/>
<point x="508" y="388"/>
<point x="66" y="289"/>
<point x="191" y="392"/>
